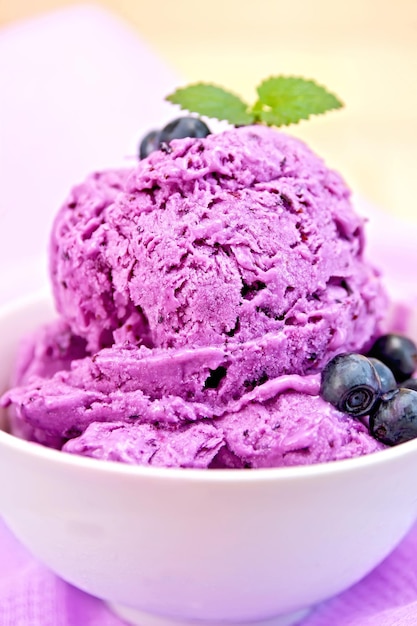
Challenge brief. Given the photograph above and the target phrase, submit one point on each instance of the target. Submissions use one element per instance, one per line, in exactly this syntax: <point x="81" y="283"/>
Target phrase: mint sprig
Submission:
<point x="214" y="102"/>
<point x="282" y="100"/>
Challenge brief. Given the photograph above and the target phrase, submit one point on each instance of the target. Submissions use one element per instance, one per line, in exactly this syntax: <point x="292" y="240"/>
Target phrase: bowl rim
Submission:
<point x="275" y="474"/>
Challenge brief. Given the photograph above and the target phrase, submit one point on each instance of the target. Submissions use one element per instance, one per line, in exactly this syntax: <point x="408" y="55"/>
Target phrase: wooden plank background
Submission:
<point x="364" y="50"/>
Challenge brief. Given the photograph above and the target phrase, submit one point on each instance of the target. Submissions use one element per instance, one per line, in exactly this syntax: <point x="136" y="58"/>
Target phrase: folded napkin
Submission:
<point x="30" y="595"/>
<point x="79" y="88"/>
<point x="386" y="597"/>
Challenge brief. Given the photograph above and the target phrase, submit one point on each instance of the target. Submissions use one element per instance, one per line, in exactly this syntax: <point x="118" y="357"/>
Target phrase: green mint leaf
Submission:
<point x="286" y="100"/>
<point x="213" y="101"/>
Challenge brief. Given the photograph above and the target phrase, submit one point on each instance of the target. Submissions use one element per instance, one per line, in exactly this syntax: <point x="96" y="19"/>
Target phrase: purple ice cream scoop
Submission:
<point x="209" y="284"/>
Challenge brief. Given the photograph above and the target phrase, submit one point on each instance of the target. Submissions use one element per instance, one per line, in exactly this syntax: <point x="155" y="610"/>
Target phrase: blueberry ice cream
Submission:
<point x="204" y="289"/>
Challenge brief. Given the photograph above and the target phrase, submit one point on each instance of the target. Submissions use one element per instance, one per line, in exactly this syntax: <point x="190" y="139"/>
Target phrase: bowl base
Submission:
<point x="139" y="618"/>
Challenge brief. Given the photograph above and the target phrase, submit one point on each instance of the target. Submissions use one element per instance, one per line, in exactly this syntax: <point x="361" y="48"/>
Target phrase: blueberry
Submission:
<point x="410" y="383"/>
<point x="395" y="419"/>
<point x="351" y="383"/>
<point x="149" y="144"/>
<point x="397" y="352"/>
<point x="388" y="382"/>
<point x="184" y="127"/>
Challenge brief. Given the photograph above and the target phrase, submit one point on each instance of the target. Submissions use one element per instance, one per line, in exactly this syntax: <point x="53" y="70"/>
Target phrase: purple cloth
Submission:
<point x="30" y="595"/>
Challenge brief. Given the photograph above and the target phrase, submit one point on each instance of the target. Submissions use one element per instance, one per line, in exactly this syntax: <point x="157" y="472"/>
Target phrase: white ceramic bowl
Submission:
<point x="174" y="546"/>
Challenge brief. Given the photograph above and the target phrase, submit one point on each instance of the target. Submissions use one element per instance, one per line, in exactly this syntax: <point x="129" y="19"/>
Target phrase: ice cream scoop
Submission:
<point x="208" y="284"/>
<point x="232" y="238"/>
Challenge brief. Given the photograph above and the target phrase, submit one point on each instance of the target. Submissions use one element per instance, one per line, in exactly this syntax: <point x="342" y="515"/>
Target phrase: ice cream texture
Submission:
<point x="200" y="294"/>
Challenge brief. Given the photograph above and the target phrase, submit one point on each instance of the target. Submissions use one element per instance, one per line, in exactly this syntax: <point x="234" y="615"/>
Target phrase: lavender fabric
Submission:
<point x="30" y="595"/>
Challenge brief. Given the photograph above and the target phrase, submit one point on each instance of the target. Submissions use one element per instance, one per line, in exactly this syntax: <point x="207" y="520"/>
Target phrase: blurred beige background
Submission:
<point x="364" y="50"/>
